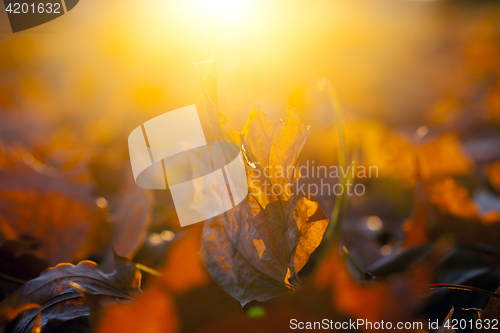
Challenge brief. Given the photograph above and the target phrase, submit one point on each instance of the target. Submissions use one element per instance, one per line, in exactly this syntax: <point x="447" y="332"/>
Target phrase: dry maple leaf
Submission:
<point x="256" y="250"/>
<point x="57" y="291"/>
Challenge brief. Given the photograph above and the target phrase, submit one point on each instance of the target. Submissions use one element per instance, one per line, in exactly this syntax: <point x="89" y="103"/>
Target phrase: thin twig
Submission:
<point x="360" y="271"/>
<point x="147" y="269"/>
<point x="12" y="279"/>
<point x="460" y="287"/>
<point x="333" y="231"/>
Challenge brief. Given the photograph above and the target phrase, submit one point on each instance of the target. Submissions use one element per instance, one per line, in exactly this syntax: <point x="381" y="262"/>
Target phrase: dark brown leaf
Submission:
<point x="57" y="291"/>
<point x="7" y="314"/>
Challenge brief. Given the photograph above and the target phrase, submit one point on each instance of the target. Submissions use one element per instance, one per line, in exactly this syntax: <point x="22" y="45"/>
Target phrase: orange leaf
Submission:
<point x="286" y="227"/>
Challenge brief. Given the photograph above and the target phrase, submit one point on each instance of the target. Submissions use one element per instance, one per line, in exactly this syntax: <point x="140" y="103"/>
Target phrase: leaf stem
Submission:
<point x="12" y="279"/>
<point x="358" y="269"/>
<point x="333" y="230"/>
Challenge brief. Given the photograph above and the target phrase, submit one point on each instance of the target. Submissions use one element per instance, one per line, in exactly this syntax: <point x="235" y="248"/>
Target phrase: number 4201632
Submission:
<point x="41" y="8"/>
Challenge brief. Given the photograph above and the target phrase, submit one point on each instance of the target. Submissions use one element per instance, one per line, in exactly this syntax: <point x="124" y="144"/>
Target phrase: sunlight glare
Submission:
<point x="228" y="10"/>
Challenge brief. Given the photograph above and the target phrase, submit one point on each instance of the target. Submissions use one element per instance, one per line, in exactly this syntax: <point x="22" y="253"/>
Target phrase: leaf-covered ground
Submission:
<point x="408" y="89"/>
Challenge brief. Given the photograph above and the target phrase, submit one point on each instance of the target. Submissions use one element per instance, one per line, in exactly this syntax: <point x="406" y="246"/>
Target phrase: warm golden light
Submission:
<point x="228" y="10"/>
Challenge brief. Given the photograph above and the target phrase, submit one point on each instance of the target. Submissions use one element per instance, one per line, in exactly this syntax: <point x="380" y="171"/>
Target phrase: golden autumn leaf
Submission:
<point x="153" y="312"/>
<point x="255" y="250"/>
<point x="393" y="155"/>
<point x="388" y="153"/>
<point x="443" y="157"/>
<point x="452" y="198"/>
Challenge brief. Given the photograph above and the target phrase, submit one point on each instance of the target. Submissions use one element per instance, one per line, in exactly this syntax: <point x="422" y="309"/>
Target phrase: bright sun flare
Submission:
<point x="229" y="10"/>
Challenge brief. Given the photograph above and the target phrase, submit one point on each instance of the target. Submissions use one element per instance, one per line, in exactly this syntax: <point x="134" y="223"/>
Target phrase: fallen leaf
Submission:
<point x="10" y="313"/>
<point x="287" y="227"/>
<point x="452" y="198"/>
<point x="61" y="303"/>
<point x="62" y="215"/>
<point x="443" y="157"/>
